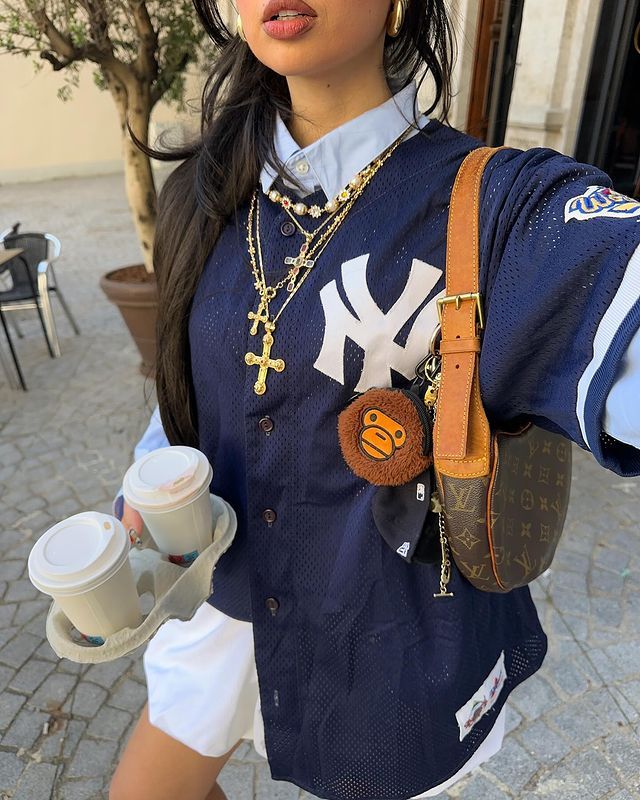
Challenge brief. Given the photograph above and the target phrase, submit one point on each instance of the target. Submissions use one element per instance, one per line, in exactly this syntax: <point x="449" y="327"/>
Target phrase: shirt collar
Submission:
<point x="331" y="161"/>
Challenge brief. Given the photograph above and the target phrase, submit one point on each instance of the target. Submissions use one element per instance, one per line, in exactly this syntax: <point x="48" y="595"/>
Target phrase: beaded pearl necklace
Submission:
<point x="316" y="211"/>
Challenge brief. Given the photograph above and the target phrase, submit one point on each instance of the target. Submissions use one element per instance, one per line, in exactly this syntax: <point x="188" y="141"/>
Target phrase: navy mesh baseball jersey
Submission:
<point x="371" y="688"/>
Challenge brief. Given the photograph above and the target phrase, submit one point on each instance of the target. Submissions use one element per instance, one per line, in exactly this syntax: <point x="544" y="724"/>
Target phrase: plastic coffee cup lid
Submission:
<point x="166" y="478"/>
<point x="78" y="554"/>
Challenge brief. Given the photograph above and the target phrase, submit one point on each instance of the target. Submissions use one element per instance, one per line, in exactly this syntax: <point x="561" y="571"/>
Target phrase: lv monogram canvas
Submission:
<point x="503" y="528"/>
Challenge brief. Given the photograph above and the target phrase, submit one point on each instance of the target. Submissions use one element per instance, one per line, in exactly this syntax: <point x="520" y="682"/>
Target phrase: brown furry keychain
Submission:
<point x="385" y="436"/>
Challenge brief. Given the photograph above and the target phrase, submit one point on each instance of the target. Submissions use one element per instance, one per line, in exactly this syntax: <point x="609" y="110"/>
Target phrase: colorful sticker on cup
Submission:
<point x="184" y="560"/>
<point x="93" y="639"/>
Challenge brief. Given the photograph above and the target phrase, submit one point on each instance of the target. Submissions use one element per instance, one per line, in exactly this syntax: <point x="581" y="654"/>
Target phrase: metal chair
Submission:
<point x="16" y="364"/>
<point x="33" y="280"/>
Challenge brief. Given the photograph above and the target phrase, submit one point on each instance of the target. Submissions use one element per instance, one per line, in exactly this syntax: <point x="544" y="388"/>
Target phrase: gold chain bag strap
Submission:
<point x="504" y="492"/>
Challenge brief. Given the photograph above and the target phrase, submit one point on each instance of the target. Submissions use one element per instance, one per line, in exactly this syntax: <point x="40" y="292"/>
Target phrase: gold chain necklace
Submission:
<point x="310" y="251"/>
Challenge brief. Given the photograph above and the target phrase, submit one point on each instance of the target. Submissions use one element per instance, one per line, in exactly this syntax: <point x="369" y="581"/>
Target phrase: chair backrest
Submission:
<point x="36" y="249"/>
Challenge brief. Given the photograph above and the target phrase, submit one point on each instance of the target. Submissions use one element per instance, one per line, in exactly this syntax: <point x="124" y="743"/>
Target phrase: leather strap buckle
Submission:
<point x="457" y="299"/>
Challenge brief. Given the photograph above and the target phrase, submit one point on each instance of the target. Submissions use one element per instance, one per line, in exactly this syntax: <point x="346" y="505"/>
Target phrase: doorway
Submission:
<point x="499" y="24"/>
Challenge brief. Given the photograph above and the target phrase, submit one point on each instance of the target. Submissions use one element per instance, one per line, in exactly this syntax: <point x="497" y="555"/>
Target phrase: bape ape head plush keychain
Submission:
<point x="386" y="438"/>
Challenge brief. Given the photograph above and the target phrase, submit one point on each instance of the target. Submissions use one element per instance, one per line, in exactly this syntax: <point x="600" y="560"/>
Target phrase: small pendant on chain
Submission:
<point x="296" y="265"/>
<point x="262" y="315"/>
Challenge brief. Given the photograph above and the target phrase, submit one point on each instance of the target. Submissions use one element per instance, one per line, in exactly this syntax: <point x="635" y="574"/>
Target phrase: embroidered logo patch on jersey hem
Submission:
<point x="483" y="700"/>
<point x="600" y="201"/>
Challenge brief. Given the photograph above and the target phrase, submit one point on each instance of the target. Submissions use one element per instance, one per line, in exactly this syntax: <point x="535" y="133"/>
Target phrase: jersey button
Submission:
<point x="269" y="516"/>
<point x="287" y="228"/>
<point x="273" y="605"/>
<point x="266" y="425"/>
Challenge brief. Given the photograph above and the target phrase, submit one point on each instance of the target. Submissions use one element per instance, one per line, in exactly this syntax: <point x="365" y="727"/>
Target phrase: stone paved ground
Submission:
<point x="573" y="728"/>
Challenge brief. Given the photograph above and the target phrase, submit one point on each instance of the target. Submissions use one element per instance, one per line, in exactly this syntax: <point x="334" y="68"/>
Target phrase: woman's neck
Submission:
<point x="321" y="104"/>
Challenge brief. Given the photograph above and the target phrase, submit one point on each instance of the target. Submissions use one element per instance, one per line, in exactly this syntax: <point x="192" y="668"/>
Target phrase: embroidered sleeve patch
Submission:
<point x="483" y="700"/>
<point x="599" y="201"/>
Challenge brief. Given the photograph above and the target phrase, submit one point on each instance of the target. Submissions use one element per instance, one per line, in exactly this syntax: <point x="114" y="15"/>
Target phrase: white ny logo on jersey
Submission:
<point x="372" y="329"/>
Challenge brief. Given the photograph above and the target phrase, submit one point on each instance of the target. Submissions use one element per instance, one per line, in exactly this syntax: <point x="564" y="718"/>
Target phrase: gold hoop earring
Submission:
<point x="396" y="18"/>
<point x="240" y="29"/>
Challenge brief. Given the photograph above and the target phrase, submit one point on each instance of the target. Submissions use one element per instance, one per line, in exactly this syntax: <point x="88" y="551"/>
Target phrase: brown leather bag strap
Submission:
<point x="461" y="436"/>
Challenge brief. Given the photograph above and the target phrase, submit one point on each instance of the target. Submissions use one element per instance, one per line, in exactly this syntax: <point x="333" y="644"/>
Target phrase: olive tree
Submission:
<point x="141" y="50"/>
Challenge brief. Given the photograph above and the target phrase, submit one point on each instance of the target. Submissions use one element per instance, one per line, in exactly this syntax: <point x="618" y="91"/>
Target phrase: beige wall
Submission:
<point x="44" y="137"/>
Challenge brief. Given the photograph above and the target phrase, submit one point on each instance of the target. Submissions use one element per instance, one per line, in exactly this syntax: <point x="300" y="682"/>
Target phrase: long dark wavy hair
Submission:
<point x="220" y="169"/>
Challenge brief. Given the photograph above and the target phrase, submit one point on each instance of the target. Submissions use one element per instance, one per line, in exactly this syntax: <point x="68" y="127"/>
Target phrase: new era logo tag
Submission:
<point x="404" y="549"/>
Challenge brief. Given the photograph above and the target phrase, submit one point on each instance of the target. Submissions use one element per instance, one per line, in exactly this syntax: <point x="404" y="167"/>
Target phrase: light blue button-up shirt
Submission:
<point x="331" y="161"/>
<point x="329" y="164"/>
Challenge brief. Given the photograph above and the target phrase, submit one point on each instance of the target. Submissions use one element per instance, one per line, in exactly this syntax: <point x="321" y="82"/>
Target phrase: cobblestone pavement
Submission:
<point x="573" y="728"/>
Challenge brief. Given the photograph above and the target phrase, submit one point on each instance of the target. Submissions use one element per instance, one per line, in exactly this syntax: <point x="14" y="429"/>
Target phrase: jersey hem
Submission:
<point x="509" y="686"/>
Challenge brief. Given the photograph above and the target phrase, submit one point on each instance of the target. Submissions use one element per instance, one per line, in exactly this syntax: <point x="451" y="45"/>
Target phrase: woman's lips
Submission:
<point x="288" y="28"/>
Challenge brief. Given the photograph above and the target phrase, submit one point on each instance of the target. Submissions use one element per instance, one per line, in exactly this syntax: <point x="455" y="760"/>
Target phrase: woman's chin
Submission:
<point x="295" y="64"/>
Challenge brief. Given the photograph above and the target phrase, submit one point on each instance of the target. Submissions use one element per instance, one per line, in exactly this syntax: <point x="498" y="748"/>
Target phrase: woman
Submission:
<point x="308" y="228"/>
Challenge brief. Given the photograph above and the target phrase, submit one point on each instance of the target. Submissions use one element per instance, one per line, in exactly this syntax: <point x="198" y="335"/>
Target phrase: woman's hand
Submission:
<point x="129" y="517"/>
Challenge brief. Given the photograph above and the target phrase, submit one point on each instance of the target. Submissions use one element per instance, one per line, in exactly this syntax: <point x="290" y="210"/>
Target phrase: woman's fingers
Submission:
<point x="132" y="521"/>
<point x="129" y="517"/>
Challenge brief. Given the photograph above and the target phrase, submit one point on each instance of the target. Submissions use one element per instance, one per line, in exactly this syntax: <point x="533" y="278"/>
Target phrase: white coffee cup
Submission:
<point x="170" y="488"/>
<point x="83" y="563"/>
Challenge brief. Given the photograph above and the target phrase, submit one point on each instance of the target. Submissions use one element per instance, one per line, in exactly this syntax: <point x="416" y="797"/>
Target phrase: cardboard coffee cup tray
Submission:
<point x="177" y="591"/>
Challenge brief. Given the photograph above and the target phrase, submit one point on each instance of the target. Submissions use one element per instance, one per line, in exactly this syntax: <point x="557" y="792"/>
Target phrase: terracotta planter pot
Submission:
<point x="135" y="293"/>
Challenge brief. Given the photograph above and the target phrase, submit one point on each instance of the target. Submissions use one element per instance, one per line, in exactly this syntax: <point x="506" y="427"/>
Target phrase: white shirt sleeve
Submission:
<point x="153" y="438"/>
<point x="622" y="408"/>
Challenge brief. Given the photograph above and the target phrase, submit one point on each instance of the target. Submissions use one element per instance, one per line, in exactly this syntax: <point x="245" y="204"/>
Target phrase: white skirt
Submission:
<point x="203" y="688"/>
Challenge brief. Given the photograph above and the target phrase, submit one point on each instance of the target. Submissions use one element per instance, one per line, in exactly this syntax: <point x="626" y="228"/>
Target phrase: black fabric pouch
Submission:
<point x="405" y="520"/>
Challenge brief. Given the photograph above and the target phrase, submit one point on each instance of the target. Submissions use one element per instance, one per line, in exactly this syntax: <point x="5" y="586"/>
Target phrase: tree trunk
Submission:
<point x="140" y="184"/>
<point x="134" y="102"/>
<point x="141" y="194"/>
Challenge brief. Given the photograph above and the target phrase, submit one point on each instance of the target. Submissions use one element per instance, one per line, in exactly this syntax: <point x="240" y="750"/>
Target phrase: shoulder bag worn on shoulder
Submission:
<point x="504" y="492"/>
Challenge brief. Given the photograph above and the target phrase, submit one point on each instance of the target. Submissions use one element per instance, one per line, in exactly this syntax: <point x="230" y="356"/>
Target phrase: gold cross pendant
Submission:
<point x="262" y="315"/>
<point x="265" y="362"/>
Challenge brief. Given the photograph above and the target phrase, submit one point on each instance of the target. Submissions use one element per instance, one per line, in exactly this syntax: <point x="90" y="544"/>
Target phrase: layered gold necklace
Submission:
<point x="314" y="244"/>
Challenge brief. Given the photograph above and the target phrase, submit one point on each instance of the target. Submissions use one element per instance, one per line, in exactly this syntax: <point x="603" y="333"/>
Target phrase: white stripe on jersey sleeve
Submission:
<point x="625" y="298"/>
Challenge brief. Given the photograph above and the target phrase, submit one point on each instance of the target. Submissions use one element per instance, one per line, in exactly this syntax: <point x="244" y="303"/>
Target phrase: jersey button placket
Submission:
<point x="273" y="605"/>
<point x="266" y="425"/>
<point x="269" y="516"/>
